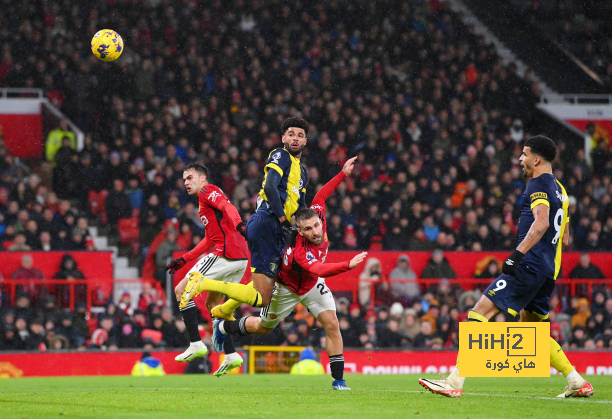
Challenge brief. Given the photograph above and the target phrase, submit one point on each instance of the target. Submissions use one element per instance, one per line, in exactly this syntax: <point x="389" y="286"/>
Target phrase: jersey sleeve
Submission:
<point x="310" y="263"/>
<point x="537" y="193"/>
<point x="327" y="190"/>
<point x="213" y="197"/>
<point x="279" y="161"/>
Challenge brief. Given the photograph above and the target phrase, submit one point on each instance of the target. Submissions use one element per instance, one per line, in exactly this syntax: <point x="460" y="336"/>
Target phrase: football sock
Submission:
<point x="558" y="359"/>
<point x="228" y="346"/>
<point x="476" y="317"/>
<point x="454" y="377"/>
<point x="190" y="317"/>
<point x="231" y="304"/>
<point x="336" y="365"/>
<point x="236" y="327"/>
<point x="241" y="293"/>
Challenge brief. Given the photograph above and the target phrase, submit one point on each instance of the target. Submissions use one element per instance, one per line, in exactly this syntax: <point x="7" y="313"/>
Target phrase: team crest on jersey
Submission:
<point x="310" y="256"/>
<point x="274" y="158"/>
<point x="204" y="220"/>
<point x="301" y="184"/>
<point x="213" y="196"/>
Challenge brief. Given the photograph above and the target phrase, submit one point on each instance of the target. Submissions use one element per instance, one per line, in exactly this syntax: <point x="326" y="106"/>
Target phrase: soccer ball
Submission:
<point x="107" y="45"/>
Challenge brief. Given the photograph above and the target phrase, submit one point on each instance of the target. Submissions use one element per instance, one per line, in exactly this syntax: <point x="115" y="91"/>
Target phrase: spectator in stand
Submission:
<point x="424" y="337"/>
<point x="36" y="337"/>
<point x="58" y="137"/>
<point x="163" y="255"/>
<point x="403" y="280"/>
<point x="492" y="270"/>
<point x="27" y="271"/>
<point x="583" y="312"/>
<point x="69" y="271"/>
<point x="9" y="340"/>
<point x="21" y="332"/>
<point x="20" y="243"/>
<point x="117" y="203"/>
<point x="438" y="266"/>
<point x="149" y="297"/>
<point x="106" y="335"/>
<point x="67" y="329"/>
<point x="410" y="325"/>
<point x="369" y="278"/>
<point x="585" y="270"/>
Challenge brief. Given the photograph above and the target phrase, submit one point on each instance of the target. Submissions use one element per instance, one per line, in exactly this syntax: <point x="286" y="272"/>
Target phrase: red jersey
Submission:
<point x="220" y="219"/>
<point x="305" y="263"/>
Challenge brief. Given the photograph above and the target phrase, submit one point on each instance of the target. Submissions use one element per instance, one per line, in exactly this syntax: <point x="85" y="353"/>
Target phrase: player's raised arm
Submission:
<point x="333" y="183"/>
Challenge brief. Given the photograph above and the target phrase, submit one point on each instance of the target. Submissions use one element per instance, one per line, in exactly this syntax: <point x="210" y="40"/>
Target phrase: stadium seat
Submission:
<point x="129" y="230"/>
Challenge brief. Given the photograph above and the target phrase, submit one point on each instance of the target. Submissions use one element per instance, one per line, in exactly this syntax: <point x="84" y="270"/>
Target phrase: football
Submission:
<point x="107" y="45"/>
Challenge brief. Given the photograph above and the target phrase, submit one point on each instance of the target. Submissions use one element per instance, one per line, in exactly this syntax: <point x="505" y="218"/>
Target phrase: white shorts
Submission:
<point x="317" y="300"/>
<point x="219" y="268"/>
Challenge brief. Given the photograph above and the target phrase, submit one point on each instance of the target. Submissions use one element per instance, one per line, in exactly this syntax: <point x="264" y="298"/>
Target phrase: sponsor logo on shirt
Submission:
<point x="213" y="196"/>
<point x="538" y="195"/>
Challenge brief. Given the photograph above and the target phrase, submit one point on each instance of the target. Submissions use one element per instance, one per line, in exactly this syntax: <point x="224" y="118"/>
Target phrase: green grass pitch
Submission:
<point x="285" y="396"/>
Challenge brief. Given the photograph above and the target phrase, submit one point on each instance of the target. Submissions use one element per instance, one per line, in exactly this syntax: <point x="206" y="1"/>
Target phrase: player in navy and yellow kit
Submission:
<point x="528" y="279"/>
<point x="282" y="193"/>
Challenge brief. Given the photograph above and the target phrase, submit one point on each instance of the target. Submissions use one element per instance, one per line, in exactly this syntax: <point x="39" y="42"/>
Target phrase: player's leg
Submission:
<point x="281" y="305"/>
<point x="503" y="294"/>
<point x="190" y="314"/>
<point x="320" y="302"/>
<point x="536" y="311"/>
<point x="261" y="286"/>
<point x="231" y="359"/>
<point x="223" y="276"/>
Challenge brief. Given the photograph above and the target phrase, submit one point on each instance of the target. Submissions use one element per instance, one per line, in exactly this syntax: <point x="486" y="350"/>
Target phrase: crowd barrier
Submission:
<point x="356" y="361"/>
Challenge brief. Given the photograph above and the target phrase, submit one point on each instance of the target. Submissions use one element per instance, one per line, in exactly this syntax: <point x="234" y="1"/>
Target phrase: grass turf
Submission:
<point x="271" y="396"/>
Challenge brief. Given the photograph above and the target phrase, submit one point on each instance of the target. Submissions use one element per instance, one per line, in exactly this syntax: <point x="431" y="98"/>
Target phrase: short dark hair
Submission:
<point x="305" y="214"/>
<point x="542" y="146"/>
<point x="294" y="122"/>
<point x="198" y="167"/>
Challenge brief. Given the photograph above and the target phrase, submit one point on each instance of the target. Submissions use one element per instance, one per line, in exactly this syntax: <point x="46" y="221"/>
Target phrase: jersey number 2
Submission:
<point x="322" y="289"/>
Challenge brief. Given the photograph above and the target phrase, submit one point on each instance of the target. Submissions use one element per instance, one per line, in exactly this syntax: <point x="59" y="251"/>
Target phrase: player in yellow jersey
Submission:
<point x="529" y="274"/>
<point x="269" y="230"/>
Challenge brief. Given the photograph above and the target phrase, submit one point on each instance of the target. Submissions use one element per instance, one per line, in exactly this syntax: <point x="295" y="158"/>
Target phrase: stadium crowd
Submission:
<point x="433" y="113"/>
<point x="428" y="320"/>
<point x="581" y="27"/>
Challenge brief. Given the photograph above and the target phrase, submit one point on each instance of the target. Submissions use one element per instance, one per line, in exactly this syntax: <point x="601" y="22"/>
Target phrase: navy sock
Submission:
<point x="190" y="317"/>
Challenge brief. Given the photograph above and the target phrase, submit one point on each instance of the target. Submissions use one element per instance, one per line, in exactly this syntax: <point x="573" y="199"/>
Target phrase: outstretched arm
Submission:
<point x="327" y="269"/>
<point x="333" y="183"/>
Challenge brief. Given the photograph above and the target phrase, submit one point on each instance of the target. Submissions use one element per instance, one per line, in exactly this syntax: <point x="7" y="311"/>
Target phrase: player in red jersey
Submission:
<point x="227" y="261"/>
<point x="300" y="281"/>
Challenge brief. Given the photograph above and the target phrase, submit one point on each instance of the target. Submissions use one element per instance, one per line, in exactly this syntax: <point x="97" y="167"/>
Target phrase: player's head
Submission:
<point x="537" y="151"/>
<point x="195" y="176"/>
<point x="309" y="225"/>
<point x="294" y="133"/>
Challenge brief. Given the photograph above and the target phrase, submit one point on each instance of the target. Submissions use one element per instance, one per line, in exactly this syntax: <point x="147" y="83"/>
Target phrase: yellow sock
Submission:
<point x="239" y="292"/>
<point x="476" y="317"/>
<point x="558" y="359"/>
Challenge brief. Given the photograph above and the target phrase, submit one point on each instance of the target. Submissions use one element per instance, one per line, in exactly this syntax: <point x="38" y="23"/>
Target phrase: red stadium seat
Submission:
<point x="129" y="230"/>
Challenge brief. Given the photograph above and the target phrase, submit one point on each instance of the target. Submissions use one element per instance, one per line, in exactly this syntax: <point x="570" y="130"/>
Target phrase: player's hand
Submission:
<point x="512" y="262"/>
<point x="241" y="228"/>
<point x="176" y="264"/>
<point x="349" y="166"/>
<point x="289" y="232"/>
<point x="357" y="259"/>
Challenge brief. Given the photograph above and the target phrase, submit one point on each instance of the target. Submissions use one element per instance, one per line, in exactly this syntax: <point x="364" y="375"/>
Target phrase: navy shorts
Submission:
<point x="526" y="289"/>
<point x="266" y="243"/>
